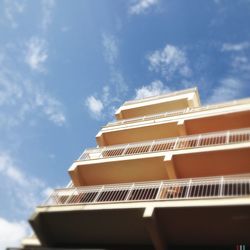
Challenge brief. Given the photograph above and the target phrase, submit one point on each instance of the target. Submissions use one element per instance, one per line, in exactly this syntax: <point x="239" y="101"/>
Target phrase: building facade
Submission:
<point x="168" y="173"/>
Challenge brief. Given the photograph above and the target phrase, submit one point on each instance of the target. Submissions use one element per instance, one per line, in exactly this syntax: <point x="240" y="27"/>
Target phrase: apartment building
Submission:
<point x="167" y="174"/>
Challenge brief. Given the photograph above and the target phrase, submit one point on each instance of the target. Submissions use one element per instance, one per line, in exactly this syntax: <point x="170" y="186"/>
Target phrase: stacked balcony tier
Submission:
<point x="120" y="215"/>
<point x="211" y="154"/>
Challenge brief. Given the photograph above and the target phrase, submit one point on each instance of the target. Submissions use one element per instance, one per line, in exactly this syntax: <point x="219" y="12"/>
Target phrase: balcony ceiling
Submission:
<point x="155" y="108"/>
<point x="154" y="132"/>
<point x="212" y="163"/>
<point x="120" y="172"/>
<point x="214" y="123"/>
<point x="189" y="163"/>
<point x="221" y="225"/>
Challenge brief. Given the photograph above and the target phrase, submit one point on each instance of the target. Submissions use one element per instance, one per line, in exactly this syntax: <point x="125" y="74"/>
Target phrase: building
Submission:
<point x="168" y="173"/>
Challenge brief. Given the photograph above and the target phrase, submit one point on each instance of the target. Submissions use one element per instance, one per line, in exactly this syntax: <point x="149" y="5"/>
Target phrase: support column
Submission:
<point x="100" y="139"/>
<point x="190" y="101"/>
<point x="169" y="165"/>
<point x="153" y="227"/>
<point x="118" y="115"/>
<point x="35" y="222"/>
<point x="181" y="128"/>
<point x="75" y="176"/>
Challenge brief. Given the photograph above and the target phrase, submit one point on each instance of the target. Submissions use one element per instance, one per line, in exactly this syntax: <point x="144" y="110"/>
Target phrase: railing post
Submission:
<point x="129" y="192"/>
<point x="98" y="195"/>
<point x="198" y="141"/>
<point x="221" y="186"/>
<point x="176" y="143"/>
<point x="101" y="153"/>
<point x="227" y="137"/>
<point x="81" y="156"/>
<point x="151" y="146"/>
<point x="159" y="191"/>
<point x="125" y="149"/>
<point x="189" y="187"/>
<point x="186" y="110"/>
<point x="51" y="196"/>
<point x="70" y="196"/>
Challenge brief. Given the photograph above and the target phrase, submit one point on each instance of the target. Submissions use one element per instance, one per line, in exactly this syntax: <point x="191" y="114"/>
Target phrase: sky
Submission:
<point x="66" y="66"/>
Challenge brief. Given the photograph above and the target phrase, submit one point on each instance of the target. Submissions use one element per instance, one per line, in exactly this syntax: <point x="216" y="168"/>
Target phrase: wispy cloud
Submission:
<point x="12" y="232"/>
<point x="110" y="46"/>
<point x="241" y="64"/>
<point x="234" y="84"/>
<point x="239" y="54"/>
<point x="169" y="61"/>
<point x="104" y="103"/>
<point x="228" y="89"/>
<point x="8" y="169"/>
<point x="50" y="106"/>
<point x="235" y="46"/>
<point x="20" y="98"/>
<point x="141" y="6"/>
<point x="47" y="10"/>
<point x="118" y="85"/>
<point x="27" y="191"/>
<point x="154" y="88"/>
<point x="13" y="8"/>
<point x="95" y="107"/>
<point x="36" y="53"/>
<point x="22" y="192"/>
<point x="65" y="28"/>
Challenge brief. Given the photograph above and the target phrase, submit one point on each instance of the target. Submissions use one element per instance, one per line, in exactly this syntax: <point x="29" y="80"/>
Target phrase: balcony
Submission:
<point x="205" y="188"/>
<point x="182" y="157"/>
<point x="176" y="113"/>
<point x="167" y="102"/>
<point x="78" y="217"/>
<point x="157" y="97"/>
<point x="219" y="117"/>
<point x="169" y="144"/>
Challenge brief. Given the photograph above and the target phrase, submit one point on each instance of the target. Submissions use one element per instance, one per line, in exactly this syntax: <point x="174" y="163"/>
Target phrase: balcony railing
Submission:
<point x="177" y="112"/>
<point x="159" y="96"/>
<point x="184" y="142"/>
<point x="183" y="189"/>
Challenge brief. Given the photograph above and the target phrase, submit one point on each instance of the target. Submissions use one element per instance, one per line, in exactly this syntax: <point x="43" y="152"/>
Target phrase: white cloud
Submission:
<point x="47" y="192"/>
<point x="20" y="98"/>
<point x="110" y="95"/>
<point x="241" y="64"/>
<point x="51" y="107"/>
<point x="95" y="106"/>
<point x="114" y="91"/>
<point x="8" y="169"/>
<point x="169" y="61"/>
<point x="118" y="85"/>
<point x="13" y="8"/>
<point x="12" y="232"/>
<point x="235" y="46"/>
<point x="229" y="89"/>
<point x="27" y="191"/>
<point x="110" y="46"/>
<point x="153" y="89"/>
<point x="36" y="53"/>
<point x="47" y="8"/>
<point x="65" y="28"/>
<point x="140" y="6"/>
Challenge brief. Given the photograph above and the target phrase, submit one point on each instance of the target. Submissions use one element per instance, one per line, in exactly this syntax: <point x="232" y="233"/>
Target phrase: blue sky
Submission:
<point x="65" y="66"/>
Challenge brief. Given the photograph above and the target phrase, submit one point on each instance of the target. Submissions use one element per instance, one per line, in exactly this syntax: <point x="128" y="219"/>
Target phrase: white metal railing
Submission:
<point x="177" y="112"/>
<point x="149" y="117"/>
<point x="184" y="142"/>
<point x="197" y="188"/>
<point x="159" y="96"/>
